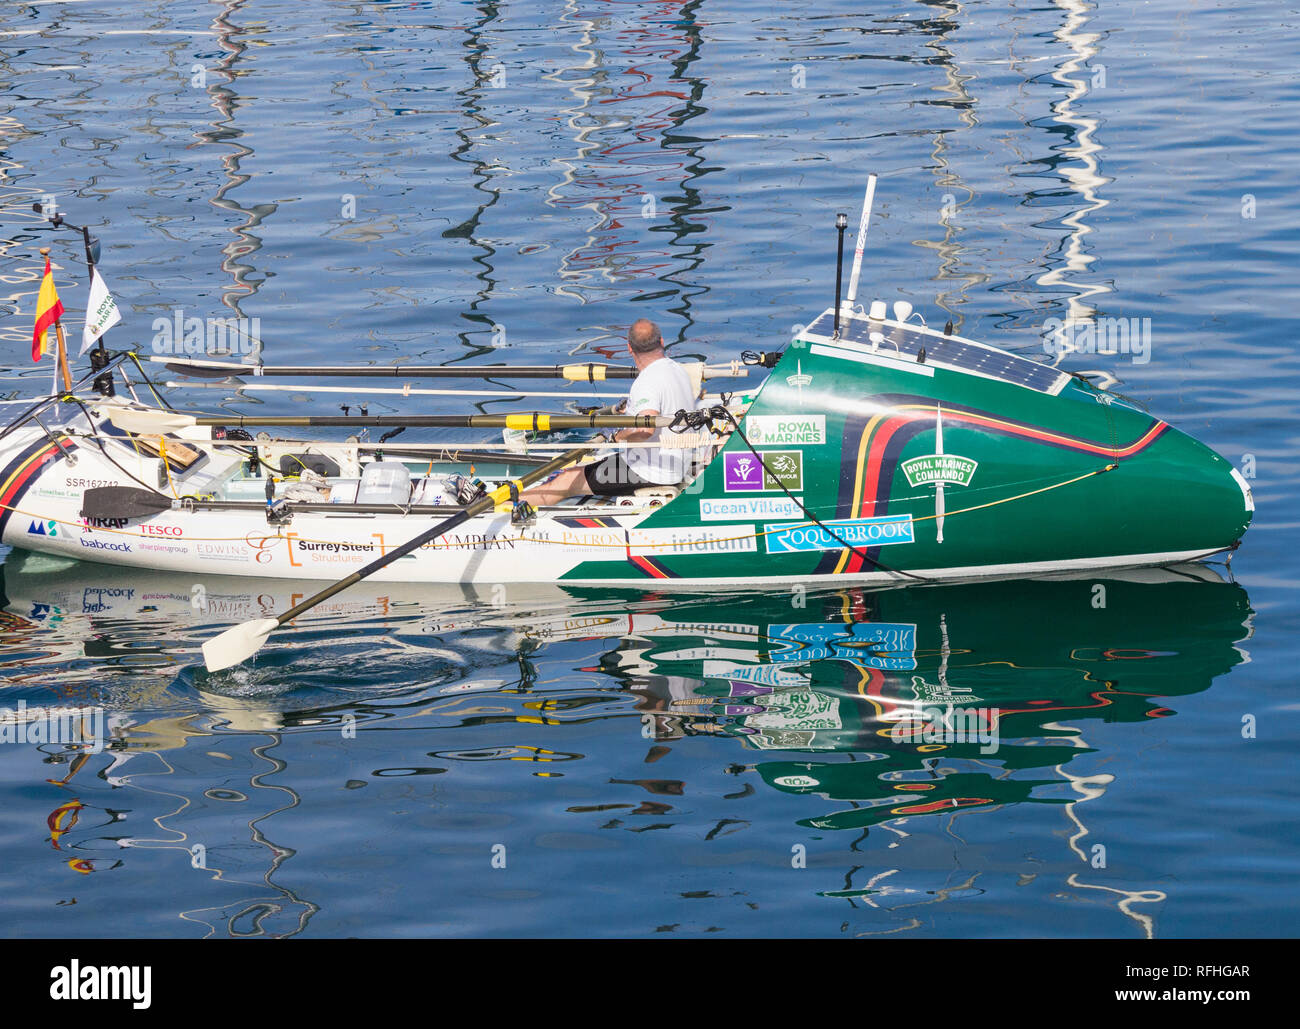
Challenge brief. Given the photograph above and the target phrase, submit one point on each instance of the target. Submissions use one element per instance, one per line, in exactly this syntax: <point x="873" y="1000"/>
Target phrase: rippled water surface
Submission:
<point x="435" y="181"/>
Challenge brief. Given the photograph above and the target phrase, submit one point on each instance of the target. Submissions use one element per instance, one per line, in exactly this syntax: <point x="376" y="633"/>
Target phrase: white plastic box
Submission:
<point x="385" y="482"/>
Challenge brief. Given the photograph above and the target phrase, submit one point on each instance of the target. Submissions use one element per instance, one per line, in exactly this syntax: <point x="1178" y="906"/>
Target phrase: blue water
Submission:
<point x="437" y="181"/>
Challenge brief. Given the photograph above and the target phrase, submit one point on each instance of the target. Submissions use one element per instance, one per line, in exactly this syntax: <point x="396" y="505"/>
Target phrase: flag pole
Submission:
<point x="58" y="333"/>
<point x="63" y="356"/>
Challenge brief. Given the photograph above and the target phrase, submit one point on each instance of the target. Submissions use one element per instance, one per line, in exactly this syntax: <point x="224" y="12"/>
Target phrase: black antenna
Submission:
<point x="841" y="223"/>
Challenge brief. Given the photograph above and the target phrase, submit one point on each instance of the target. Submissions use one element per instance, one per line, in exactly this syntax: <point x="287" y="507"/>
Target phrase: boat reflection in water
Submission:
<point x="878" y="709"/>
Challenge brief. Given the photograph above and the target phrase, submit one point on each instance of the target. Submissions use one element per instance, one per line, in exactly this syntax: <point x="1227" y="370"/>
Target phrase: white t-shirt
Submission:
<point x="664" y="386"/>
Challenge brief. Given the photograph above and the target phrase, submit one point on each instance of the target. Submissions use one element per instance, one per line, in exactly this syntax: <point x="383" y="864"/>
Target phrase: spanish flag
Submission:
<point x="49" y="309"/>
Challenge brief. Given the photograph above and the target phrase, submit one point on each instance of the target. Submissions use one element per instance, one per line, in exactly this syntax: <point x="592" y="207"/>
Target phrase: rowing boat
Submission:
<point x="888" y="452"/>
<point x="877" y="450"/>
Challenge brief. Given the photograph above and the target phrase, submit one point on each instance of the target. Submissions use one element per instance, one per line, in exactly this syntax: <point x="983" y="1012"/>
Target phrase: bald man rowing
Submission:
<point x="661" y="387"/>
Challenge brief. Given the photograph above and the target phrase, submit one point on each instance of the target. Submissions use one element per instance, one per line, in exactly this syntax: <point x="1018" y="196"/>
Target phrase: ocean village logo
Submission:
<point x="857" y="532"/>
<point x="934" y="468"/>
<point x="772" y="430"/>
<point x="753" y="508"/>
<point x="771" y="470"/>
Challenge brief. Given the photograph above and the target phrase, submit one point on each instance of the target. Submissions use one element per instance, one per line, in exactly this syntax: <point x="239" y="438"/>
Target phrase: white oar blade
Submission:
<point x="148" y="420"/>
<point x="237" y="644"/>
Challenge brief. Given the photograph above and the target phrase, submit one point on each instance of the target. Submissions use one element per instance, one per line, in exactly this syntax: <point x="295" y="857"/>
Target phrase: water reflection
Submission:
<point x="1078" y="161"/>
<point x="894" y="712"/>
<point x="636" y="167"/>
<point x="222" y="132"/>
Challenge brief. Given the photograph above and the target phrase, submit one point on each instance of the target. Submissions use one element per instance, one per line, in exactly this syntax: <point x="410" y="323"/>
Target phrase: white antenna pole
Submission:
<point x="862" y="242"/>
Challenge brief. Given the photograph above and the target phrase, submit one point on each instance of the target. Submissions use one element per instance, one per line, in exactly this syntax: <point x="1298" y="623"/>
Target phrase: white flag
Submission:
<point x="101" y="312"/>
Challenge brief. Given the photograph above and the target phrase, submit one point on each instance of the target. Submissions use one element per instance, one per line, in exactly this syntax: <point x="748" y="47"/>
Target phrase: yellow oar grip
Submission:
<point x="541" y="422"/>
<point x="584" y="372"/>
<point x="501" y="495"/>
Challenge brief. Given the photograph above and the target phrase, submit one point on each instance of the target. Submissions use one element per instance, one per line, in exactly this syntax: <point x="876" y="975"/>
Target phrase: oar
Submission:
<point x="122" y="502"/>
<point x="244" y="640"/>
<point x="585" y="372"/>
<point x="155" y="420"/>
<point x="588" y="372"/>
<point x="392" y="391"/>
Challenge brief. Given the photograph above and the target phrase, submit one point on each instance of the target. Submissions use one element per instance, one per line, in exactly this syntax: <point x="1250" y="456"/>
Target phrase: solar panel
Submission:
<point x="944" y="351"/>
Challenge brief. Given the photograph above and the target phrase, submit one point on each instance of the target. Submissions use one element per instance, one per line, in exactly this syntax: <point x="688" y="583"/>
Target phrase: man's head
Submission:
<point x="644" y="339"/>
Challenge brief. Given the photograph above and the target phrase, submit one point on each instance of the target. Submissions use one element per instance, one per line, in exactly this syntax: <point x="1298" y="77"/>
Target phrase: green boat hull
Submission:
<point x="937" y="471"/>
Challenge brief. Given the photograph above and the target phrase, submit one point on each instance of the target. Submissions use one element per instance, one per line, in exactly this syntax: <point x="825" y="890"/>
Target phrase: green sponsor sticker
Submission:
<point x="933" y="468"/>
<point x="784" y="468"/>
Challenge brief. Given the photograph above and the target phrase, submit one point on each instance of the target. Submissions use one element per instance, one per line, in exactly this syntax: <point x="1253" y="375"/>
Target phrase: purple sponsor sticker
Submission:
<point x="741" y="472"/>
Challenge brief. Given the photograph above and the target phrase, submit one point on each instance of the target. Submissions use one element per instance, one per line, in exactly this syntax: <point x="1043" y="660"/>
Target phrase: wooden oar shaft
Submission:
<point x="537" y="421"/>
<point x="478" y="507"/>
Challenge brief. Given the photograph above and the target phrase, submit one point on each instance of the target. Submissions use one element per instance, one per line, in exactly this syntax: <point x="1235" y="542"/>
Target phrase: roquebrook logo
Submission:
<point x="103" y="982"/>
<point x="856" y="532"/>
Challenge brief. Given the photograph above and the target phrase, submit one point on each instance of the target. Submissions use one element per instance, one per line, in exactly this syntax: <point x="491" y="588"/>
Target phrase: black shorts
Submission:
<point x="612" y="477"/>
